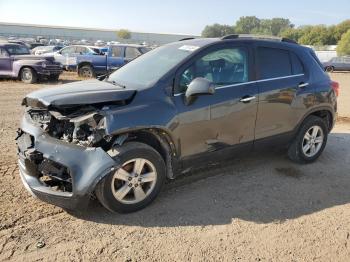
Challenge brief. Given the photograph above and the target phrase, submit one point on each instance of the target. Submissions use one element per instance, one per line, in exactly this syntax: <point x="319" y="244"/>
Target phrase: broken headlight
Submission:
<point x="40" y="117"/>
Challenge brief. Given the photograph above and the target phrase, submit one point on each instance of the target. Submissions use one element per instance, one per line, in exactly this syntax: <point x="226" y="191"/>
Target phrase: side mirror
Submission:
<point x="199" y="86"/>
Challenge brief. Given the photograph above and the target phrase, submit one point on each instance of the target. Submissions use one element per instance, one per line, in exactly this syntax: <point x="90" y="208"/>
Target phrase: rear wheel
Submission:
<point x="136" y="183"/>
<point x="310" y="141"/>
<point x="330" y="69"/>
<point x="28" y="75"/>
<point x="86" y="71"/>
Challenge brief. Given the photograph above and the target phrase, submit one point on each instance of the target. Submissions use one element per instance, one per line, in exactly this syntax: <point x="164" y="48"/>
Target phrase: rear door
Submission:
<point x="284" y="91"/>
<point x="347" y="63"/>
<point x="115" y="58"/>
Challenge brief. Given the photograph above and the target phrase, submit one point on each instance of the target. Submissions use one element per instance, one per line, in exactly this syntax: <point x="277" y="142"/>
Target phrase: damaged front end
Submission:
<point x="63" y="149"/>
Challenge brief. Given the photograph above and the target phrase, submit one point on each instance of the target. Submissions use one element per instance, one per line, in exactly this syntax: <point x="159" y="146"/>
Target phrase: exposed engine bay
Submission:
<point x="84" y="126"/>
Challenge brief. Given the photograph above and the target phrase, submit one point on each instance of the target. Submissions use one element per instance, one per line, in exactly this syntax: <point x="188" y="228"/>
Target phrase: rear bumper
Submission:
<point x="85" y="166"/>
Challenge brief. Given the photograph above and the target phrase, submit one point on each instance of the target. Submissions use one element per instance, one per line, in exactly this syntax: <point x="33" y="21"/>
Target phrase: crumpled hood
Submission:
<point x="78" y="93"/>
<point x="34" y="57"/>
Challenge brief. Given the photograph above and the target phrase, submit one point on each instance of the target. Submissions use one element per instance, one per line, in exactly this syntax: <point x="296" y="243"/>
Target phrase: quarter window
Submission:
<point x="273" y="63"/>
<point x="223" y="67"/>
<point x="296" y="64"/>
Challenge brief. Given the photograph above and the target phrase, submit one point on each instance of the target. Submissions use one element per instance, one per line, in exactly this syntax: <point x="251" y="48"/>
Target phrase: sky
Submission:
<point x="163" y="16"/>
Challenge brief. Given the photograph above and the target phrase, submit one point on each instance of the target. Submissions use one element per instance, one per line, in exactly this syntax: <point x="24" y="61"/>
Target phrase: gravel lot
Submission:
<point x="259" y="208"/>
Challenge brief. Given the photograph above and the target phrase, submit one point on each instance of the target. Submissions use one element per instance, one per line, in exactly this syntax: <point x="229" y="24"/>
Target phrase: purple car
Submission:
<point x="16" y="62"/>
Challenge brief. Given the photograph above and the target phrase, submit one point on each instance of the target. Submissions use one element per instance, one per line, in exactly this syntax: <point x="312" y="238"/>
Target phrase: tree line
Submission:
<point x="316" y="35"/>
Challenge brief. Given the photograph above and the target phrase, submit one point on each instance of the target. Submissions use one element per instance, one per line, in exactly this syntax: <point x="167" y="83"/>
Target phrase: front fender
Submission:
<point x="155" y="114"/>
<point x="19" y="64"/>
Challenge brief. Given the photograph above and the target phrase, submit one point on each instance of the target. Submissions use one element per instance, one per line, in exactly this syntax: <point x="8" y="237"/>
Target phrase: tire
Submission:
<point x="28" y="75"/>
<point x="86" y="71"/>
<point x="297" y="150"/>
<point x="111" y="190"/>
<point x="54" y="77"/>
<point x="329" y="69"/>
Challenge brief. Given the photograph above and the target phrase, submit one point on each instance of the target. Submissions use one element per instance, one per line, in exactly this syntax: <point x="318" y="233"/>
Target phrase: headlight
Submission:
<point x="43" y="64"/>
<point x="40" y="116"/>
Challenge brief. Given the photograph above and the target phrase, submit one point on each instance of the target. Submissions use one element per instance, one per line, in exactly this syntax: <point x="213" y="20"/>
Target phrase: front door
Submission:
<point x="5" y="62"/>
<point x="226" y="118"/>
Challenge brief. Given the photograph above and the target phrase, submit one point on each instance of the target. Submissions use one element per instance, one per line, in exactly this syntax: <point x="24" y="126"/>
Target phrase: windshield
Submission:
<point x="17" y="50"/>
<point x="150" y="67"/>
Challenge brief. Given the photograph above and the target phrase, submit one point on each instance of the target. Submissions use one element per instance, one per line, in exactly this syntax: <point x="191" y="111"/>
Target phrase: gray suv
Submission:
<point x="176" y="107"/>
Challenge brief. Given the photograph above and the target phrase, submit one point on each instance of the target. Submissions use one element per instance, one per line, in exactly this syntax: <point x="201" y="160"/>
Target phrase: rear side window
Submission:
<point x="116" y="51"/>
<point x="297" y="66"/>
<point x="273" y="62"/>
<point x="131" y="53"/>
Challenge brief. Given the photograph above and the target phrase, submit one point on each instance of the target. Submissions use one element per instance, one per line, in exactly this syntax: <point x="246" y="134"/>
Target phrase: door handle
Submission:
<point x="302" y="85"/>
<point x="247" y="99"/>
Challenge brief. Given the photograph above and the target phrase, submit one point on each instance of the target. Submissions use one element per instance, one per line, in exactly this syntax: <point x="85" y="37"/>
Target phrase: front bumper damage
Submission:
<point x="77" y="167"/>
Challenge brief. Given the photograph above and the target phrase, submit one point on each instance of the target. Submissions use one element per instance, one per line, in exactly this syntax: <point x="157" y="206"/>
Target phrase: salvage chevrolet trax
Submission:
<point x="176" y="107"/>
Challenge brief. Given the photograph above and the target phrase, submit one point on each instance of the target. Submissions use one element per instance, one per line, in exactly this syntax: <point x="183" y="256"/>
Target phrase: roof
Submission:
<point x="131" y="45"/>
<point x="200" y="42"/>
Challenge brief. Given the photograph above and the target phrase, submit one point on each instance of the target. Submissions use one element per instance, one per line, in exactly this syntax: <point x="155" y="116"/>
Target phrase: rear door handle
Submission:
<point x="247" y="99"/>
<point x="302" y="85"/>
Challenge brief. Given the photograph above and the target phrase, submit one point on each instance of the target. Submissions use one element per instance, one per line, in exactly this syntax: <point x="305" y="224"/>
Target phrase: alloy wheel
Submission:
<point x="312" y="141"/>
<point x="134" y="181"/>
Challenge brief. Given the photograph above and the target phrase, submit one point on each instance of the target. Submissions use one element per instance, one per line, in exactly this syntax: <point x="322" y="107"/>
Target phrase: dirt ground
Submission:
<point x="258" y="208"/>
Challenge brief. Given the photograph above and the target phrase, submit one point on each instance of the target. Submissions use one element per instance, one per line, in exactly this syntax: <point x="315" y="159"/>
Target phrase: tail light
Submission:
<point x="335" y="87"/>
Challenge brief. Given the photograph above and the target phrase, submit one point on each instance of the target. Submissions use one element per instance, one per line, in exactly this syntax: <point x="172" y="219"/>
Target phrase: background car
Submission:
<point x="67" y="55"/>
<point x="39" y="50"/>
<point x="114" y="57"/>
<point x="16" y="62"/>
<point x="337" y="64"/>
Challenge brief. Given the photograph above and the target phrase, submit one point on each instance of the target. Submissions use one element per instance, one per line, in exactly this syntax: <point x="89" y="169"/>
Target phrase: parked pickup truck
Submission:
<point x="114" y="57"/>
<point x="16" y="62"/>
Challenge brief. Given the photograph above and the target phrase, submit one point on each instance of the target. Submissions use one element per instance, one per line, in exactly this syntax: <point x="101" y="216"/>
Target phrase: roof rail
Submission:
<point x="187" y="38"/>
<point x="261" y="37"/>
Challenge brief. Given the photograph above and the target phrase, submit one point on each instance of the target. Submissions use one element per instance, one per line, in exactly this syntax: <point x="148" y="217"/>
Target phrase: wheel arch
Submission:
<point x="25" y="66"/>
<point x="325" y="112"/>
<point x="84" y="63"/>
<point x="157" y="138"/>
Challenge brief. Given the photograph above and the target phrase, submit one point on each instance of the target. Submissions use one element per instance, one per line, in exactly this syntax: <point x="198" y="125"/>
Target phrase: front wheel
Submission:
<point x="310" y="141"/>
<point x="136" y="183"/>
<point x="28" y="75"/>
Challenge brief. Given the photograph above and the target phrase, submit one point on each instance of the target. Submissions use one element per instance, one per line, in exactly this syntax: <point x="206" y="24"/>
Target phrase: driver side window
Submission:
<point x="225" y="66"/>
<point x="68" y="50"/>
<point x="3" y="53"/>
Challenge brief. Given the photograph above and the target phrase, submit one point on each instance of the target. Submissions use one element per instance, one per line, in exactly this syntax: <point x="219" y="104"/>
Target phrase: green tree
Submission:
<point x="279" y="24"/>
<point x="341" y="29"/>
<point x="315" y="35"/>
<point x="343" y="47"/>
<point x="248" y="25"/>
<point x="124" y="34"/>
<point x="292" y="33"/>
<point x="217" y="30"/>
